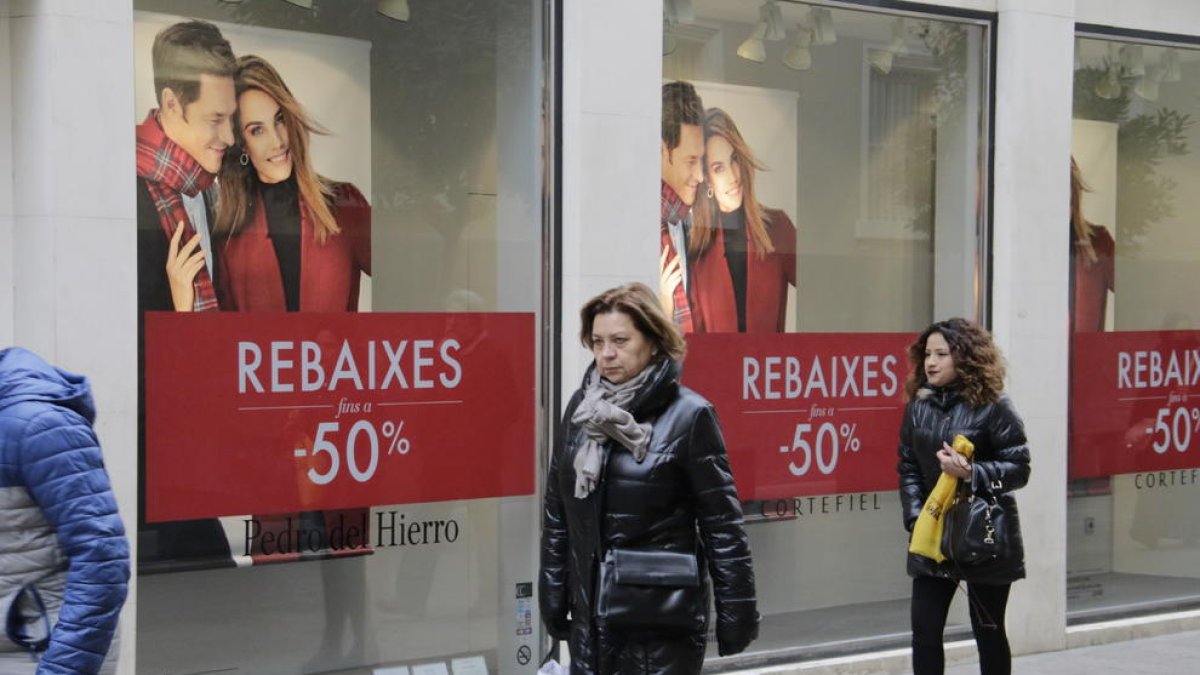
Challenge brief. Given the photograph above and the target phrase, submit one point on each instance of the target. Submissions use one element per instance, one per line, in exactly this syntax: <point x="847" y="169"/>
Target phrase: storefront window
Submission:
<point x="341" y="374"/>
<point x="837" y="208"/>
<point x="1135" y="361"/>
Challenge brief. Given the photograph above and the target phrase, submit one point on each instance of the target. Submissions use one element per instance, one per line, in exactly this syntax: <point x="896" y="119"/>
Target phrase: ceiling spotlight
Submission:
<point x="393" y="9"/>
<point x="772" y="15"/>
<point x="753" y="49"/>
<point x="880" y="59"/>
<point x="1172" y="71"/>
<point x="679" y="11"/>
<point x="1109" y="87"/>
<point x="799" y="57"/>
<point x="1132" y="60"/>
<point x="821" y="20"/>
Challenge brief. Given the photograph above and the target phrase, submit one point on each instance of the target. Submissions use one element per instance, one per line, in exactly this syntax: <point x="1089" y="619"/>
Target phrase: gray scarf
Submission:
<point x="603" y="415"/>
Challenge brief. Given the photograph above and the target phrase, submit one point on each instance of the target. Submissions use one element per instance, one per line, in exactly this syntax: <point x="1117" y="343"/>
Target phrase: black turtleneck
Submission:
<point x="282" y="204"/>
<point x="734" y="226"/>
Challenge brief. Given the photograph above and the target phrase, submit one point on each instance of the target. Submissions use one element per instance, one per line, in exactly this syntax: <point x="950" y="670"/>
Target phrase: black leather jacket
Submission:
<point x="1001" y="462"/>
<point x="681" y="497"/>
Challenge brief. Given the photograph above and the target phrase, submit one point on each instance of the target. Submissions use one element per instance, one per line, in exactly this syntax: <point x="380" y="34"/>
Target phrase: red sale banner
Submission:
<point x="805" y="414"/>
<point x="265" y="413"/>
<point x="1135" y="402"/>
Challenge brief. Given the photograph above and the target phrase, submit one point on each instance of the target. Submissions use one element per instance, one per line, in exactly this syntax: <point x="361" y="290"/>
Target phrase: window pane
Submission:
<point x="866" y="132"/>
<point x="427" y="121"/>
<point x="1135" y="425"/>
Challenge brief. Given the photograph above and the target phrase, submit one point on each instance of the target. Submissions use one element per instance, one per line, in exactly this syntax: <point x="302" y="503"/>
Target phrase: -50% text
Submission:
<point x="360" y="433"/>
<point x="824" y="448"/>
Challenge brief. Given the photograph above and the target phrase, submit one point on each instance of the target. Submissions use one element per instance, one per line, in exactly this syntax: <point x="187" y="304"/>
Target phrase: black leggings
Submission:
<point x="931" y="602"/>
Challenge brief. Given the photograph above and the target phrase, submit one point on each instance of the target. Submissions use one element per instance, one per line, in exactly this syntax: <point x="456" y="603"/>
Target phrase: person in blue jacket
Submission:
<point x="64" y="558"/>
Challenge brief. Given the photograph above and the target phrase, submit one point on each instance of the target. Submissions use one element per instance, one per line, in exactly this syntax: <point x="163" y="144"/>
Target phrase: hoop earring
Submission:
<point x="709" y="193"/>
<point x="244" y="159"/>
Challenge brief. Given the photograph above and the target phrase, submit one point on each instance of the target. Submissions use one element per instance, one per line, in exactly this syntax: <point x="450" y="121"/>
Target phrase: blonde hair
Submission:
<point x="235" y="203"/>
<point x="1081" y="229"/>
<point x="706" y="213"/>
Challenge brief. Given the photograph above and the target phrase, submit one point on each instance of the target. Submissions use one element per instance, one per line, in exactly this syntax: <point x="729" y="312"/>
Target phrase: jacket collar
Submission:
<point x="942" y="397"/>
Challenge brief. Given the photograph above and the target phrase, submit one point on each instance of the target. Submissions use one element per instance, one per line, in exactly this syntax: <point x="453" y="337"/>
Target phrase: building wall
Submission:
<point x="1029" y="286"/>
<point x="67" y="251"/>
<point x="72" y="225"/>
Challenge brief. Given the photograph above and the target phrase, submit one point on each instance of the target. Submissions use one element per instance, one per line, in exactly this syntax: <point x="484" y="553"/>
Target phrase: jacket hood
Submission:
<point x="24" y="376"/>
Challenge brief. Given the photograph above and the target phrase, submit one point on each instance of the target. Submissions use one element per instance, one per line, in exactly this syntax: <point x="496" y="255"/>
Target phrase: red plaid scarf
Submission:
<point x="674" y="210"/>
<point x="170" y="171"/>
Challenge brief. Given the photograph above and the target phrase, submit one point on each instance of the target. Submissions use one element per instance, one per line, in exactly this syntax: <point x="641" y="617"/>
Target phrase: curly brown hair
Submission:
<point x="977" y="361"/>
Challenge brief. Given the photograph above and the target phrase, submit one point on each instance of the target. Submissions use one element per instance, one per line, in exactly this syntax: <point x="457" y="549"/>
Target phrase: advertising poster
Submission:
<point x="1136" y="404"/>
<point x="727" y="260"/>
<point x="275" y="409"/>
<point x="805" y="414"/>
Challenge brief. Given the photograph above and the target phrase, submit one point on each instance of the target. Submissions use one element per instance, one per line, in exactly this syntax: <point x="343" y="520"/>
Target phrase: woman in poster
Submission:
<point x="1092" y="263"/>
<point x="955" y="387"/>
<point x="742" y="254"/>
<point x="291" y="240"/>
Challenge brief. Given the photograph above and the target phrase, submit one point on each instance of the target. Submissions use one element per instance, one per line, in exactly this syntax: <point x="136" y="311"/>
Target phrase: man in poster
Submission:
<point x="180" y="146"/>
<point x="682" y="173"/>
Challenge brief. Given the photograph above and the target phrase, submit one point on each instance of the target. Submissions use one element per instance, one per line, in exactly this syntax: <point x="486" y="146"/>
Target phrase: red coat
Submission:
<point x="250" y="280"/>
<point x="714" y="308"/>
<point x="1093" y="281"/>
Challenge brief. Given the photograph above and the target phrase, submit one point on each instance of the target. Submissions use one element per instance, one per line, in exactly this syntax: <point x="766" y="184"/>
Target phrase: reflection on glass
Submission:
<point x="424" y="196"/>
<point x="1134" y="456"/>
<point x="836" y="189"/>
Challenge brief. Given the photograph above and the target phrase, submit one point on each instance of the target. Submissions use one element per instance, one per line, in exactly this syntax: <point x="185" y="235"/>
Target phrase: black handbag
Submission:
<point x="976" y="531"/>
<point x="650" y="590"/>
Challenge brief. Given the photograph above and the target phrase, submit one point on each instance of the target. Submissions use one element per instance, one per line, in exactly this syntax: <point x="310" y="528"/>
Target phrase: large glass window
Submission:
<point x="365" y="405"/>
<point x="841" y="210"/>
<point x="1134" y="485"/>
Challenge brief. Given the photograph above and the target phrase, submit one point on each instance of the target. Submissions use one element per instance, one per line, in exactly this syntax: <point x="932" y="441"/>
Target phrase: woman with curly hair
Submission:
<point x="955" y="386"/>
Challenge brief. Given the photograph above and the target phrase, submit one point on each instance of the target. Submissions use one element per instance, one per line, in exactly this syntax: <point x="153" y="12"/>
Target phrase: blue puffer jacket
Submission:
<point x="59" y="529"/>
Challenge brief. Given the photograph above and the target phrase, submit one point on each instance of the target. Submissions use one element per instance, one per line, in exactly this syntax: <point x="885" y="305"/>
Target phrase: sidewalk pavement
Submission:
<point x="1173" y="654"/>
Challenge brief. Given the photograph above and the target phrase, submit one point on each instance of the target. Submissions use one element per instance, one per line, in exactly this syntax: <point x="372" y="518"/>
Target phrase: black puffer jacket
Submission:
<point x="1001" y="462"/>
<point x="681" y="494"/>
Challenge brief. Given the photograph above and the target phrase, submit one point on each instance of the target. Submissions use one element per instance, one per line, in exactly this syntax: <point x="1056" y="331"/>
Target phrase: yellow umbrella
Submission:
<point x="927" y="533"/>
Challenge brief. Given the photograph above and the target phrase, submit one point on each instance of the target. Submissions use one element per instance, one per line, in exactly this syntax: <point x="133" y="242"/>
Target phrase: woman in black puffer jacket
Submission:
<point x="955" y="387"/>
<point x="640" y="466"/>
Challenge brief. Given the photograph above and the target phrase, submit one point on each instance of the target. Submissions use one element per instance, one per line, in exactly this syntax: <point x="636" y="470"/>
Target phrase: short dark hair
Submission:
<point x="182" y="52"/>
<point x="680" y="105"/>
<point x="639" y="303"/>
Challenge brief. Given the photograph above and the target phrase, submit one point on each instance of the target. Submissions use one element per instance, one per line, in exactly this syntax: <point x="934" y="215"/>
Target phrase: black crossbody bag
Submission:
<point x="654" y="590"/>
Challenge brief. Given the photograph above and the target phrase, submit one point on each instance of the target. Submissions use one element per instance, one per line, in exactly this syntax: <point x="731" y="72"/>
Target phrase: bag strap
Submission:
<point x="985" y="617"/>
<point x="15" y="623"/>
